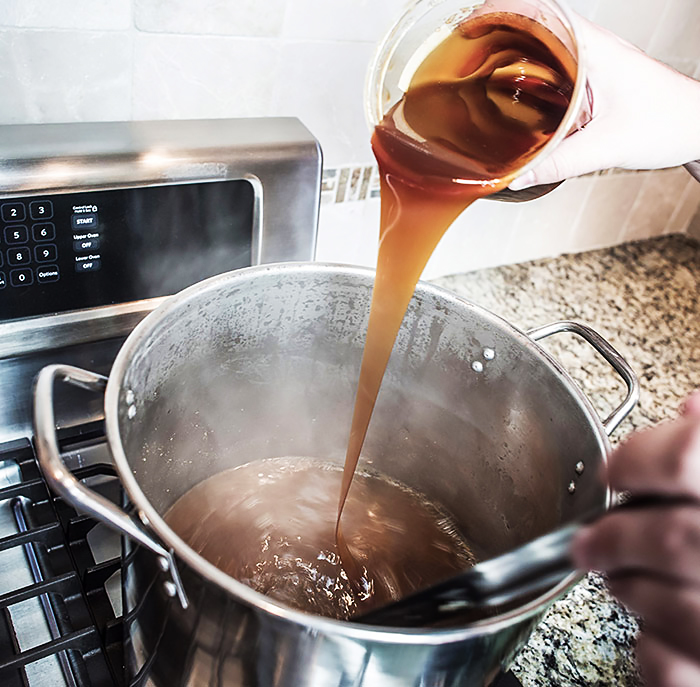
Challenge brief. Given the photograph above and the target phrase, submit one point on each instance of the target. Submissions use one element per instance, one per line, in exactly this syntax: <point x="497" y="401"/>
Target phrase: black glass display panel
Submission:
<point x="81" y="250"/>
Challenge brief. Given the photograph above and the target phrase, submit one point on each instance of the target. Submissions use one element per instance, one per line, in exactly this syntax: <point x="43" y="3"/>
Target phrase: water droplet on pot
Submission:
<point x="489" y="354"/>
<point x="572" y="487"/>
<point x="131" y="412"/>
<point x="477" y="366"/>
<point x="580" y="467"/>
<point x="130" y="398"/>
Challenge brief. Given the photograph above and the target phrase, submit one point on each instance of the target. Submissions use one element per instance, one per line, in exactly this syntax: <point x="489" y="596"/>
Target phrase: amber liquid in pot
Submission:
<point x="478" y="108"/>
<point x="270" y="524"/>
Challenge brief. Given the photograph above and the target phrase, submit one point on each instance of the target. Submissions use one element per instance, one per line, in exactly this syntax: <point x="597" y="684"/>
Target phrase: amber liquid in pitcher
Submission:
<point x="479" y="107"/>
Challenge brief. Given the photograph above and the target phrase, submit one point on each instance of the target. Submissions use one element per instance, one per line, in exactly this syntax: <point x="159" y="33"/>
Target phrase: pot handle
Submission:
<point x="619" y="364"/>
<point x="63" y="482"/>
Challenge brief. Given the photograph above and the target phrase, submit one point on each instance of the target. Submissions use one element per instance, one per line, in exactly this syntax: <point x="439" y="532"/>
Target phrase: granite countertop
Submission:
<point x="643" y="298"/>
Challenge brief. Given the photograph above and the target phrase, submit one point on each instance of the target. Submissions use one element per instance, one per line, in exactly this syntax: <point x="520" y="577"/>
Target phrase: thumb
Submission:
<point x="582" y="152"/>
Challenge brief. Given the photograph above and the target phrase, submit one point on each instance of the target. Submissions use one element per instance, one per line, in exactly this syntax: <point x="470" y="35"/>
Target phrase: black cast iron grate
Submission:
<point x="86" y="636"/>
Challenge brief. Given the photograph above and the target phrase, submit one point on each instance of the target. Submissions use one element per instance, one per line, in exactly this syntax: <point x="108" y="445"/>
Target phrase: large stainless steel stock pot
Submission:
<point x="263" y="362"/>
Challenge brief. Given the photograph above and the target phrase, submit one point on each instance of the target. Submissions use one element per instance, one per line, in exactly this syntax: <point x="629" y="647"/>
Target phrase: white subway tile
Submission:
<point x="546" y="226"/>
<point x="198" y="77"/>
<point x="62" y="76"/>
<point x="66" y="14"/>
<point x="345" y="20"/>
<point x="686" y="208"/>
<point x="322" y="83"/>
<point x="655" y="204"/>
<point x="684" y="65"/>
<point x="678" y="30"/>
<point x="478" y="238"/>
<point x="586" y="8"/>
<point x="694" y="226"/>
<point x="635" y="21"/>
<point x="211" y="17"/>
<point x="349" y="233"/>
<point x="604" y="213"/>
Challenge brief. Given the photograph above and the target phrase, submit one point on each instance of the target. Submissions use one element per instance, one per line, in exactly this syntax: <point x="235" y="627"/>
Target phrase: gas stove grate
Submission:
<point x="79" y="639"/>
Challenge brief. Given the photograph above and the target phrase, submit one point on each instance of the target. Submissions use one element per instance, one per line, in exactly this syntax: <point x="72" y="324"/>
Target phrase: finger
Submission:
<point x="661" y="666"/>
<point x="661" y="540"/>
<point x="668" y="610"/>
<point x="662" y="460"/>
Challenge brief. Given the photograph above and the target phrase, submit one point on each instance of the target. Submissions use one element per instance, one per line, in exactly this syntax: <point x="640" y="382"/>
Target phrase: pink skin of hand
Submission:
<point x="644" y="114"/>
<point x="652" y="555"/>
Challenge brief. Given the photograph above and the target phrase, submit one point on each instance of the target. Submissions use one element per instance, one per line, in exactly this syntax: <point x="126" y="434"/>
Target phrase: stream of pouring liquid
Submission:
<point x="404" y="249"/>
<point x="483" y="103"/>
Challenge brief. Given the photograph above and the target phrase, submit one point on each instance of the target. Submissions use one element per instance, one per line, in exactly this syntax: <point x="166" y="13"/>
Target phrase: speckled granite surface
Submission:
<point x="643" y="298"/>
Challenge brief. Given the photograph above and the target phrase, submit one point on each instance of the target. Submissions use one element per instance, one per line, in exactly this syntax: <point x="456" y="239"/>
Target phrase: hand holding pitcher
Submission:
<point x="644" y="115"/>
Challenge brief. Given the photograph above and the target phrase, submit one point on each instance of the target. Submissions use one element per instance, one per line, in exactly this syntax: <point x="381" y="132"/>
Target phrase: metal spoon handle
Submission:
<point x="532" y="567"/>
<point x="539" y="564"/>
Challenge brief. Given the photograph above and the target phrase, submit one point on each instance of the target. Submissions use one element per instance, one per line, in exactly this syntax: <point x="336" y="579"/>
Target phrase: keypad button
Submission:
<point x="46" y="252"/>
<point x="41" y="209"/>
<point x="3" y="283"/>
<point x="91" y="265"/>
<point x="44" y="232"/>
<point x="23" y="277"/>
<point x="86" y="221"/>
<point x="86" y="245"/>
<point x="1" y="258"/>
<point x="47" y="273"/>
<point x="19" y="256"/>
<point x="16" y="234"/>
<point x="12" y="212"/>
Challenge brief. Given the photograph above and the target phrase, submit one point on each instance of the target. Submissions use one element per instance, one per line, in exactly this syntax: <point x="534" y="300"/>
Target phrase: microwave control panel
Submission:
<point x="70" y="251"/>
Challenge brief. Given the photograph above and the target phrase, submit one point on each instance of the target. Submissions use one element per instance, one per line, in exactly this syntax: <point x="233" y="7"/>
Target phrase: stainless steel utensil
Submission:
<point x="512" y="576"/>
<point x="532" y="567"/>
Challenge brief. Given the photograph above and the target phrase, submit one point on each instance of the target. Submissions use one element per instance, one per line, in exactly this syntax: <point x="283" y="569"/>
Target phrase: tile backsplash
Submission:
<point x="82" y="60"/>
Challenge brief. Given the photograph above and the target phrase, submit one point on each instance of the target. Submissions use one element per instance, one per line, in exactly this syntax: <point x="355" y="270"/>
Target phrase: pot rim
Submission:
<point x="246" y="594"/>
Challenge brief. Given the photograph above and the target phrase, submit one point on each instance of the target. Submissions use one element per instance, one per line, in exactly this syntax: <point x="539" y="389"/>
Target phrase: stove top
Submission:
<point x="60" y="598"/>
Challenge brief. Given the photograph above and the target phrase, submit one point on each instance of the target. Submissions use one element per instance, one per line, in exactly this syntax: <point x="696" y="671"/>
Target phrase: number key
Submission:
<point x="12" y="212"/>
<point x="47" y="252"/>
<point x="44" y="232"/>
<point x="23" y="277"/>
<point x="19" y="256"/>
<point x="41" y="209"/>
<point x="16" y="234"/>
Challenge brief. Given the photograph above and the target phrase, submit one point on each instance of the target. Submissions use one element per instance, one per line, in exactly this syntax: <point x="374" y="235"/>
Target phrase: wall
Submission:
<point x="74" y="60"/>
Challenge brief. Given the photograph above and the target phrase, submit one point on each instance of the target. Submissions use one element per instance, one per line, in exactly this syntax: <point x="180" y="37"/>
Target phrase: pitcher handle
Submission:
<point x="64" y="483"/>
<point x="618" y="363"/>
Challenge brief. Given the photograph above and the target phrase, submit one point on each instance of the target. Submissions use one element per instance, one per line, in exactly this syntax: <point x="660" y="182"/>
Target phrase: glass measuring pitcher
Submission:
<point x="427" y="23"/>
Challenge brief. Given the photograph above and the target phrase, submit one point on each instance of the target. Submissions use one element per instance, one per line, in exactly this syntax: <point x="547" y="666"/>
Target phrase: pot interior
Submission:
<point x="264" y="362"/>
